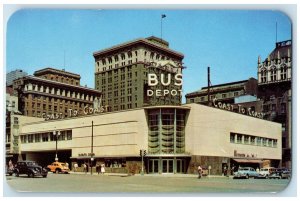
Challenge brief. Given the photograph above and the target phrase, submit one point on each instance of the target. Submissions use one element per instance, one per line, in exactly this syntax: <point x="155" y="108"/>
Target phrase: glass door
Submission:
<point x="153" y="166"/>
<point x="167" y="165"/>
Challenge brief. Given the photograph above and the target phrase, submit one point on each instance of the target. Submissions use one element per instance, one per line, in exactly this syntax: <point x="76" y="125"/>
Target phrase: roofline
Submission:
<point x="60" y="83"/>
<point x="57" y="71"/>
<point x="134" y="42"/>
<point x="219" y="85"/>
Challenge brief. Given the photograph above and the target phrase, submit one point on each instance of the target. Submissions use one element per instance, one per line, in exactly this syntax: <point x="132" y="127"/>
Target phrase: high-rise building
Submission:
<point x="274" y="87"/>
<point x="121" y="73"/>
<point x="11" y="76"/>
<point x="53" y="93"/>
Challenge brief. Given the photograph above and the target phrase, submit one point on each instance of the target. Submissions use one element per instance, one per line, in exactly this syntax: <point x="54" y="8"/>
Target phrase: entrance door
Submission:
<point x="180" y="165"/>
<point x="153" y="166"/>
<point x="167" y="166"/>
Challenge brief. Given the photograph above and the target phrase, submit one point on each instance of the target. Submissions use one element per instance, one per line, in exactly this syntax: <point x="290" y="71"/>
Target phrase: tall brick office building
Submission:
<point x="53" y="92"/>
<point x="121" y="73"/>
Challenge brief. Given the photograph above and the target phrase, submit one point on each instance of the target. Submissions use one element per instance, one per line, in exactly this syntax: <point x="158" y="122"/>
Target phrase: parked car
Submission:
<point x="280" y="173"/>
<point x="266" y="172"/>
<point x="58" y="167"/>
<point x="246" y="173"/>
<point x="31" y="168"/>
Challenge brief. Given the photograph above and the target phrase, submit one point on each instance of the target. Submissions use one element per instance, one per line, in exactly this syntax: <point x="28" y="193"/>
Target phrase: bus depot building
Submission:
<point x="176" y="139"/>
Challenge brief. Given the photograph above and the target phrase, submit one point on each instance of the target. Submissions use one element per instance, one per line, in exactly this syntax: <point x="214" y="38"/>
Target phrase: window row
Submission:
<point x="46" y="137"/>
<point x="252" y="140"/>
<point x="59" y="92"/>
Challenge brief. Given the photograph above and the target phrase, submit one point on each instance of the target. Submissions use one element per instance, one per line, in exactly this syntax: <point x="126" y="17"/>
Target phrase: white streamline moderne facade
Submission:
<point x="176" y="140"/>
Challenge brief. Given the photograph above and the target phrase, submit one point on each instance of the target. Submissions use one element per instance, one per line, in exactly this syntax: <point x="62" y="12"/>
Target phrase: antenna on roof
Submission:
<point x="276" y="31"/>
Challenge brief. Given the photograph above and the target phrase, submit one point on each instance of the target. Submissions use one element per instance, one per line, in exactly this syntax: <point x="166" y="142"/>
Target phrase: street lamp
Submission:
<point x="56" y="134"/>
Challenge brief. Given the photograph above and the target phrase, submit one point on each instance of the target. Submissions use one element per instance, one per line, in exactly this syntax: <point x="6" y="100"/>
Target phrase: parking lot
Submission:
<point x="142" y="184"/>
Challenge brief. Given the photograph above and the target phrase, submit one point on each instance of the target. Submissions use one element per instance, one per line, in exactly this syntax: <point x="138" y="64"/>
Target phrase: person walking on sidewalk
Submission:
<point x="102" y="168"/>
<point x="199" y="172"/>
<point x="75" y="167"/>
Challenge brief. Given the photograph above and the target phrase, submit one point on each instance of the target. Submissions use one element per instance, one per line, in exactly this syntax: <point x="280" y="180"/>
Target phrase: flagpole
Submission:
<point x="161" y="27"/>
<point x="161" y="18"/>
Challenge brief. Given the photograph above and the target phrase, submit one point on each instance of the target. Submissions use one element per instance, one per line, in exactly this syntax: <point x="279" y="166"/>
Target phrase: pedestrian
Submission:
<point x="225" y="171"/>
<point x="87" y="168"/>
<point x="10" y="165"/>
<point x="257" y="170"/>
<point x="67" y="165"/>
<point x="199" y="172"/>
<point x="102" y="168"/>
<point x="75" y="167"/>
<point x="232" y="170"/>
<point x="84" y="167"/>
<point x="98" y="168"/>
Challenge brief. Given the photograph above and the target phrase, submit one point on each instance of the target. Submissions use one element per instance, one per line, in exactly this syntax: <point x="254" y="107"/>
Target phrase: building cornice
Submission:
<point x="53" y="70"/>
<point x="30" y="77"/>
<point x="137" y="42"/>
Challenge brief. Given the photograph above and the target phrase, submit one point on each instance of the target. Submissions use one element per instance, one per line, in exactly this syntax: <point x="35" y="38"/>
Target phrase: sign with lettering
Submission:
<point x="244" y="155"/>
<point x="239" y="109"/>
<point x="74" y="113"/>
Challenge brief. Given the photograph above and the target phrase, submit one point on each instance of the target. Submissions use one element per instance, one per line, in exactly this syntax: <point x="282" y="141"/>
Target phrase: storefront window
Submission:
<point x="115" y="163"/>
<point x="239" y="138"/>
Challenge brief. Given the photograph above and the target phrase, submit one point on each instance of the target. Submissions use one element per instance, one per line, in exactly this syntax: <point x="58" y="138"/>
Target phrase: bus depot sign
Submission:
<point x="74" y="113"/>
<point x="164" y="81"/>
<point x="238" y="108"/>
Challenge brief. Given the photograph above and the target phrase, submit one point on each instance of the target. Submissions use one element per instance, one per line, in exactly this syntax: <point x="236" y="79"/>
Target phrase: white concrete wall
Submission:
<point x="208" y="133"/>
<point x="121" y="133"/>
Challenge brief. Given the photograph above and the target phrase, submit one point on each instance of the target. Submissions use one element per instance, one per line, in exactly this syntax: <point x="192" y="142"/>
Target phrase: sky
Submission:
<point x="229" y="41"/>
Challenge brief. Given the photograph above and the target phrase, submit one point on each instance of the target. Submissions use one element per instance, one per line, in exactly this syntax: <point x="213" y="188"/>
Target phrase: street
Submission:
<point x="143" y="184"/>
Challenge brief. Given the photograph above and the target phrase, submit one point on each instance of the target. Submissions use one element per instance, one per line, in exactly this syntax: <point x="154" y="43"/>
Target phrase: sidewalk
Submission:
<point x="151" y="175"/>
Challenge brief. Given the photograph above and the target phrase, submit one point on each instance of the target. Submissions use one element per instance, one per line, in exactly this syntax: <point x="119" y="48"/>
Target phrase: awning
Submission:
<point x="248" y="160"/>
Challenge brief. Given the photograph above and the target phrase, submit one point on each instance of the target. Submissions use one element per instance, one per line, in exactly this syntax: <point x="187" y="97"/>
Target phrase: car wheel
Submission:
<point x="30" y="174"/>
<point x="57" y="171"/>
<point x="16" y="174"/>
<point x="247" y="176"/>
<point x="44" y="176"/>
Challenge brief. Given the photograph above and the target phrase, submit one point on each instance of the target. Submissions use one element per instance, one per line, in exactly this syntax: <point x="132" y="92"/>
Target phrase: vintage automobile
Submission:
<point x="265" y="172"/>
<point x="30" y="168"/>
<point x="245" y="173"/>
<point x="280" y="173"/>
<point x="58" y="167"/>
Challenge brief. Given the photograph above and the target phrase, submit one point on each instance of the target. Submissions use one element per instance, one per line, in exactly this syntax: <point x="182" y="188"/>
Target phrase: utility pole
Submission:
<point x="208" y="86"/>
<point x="92" y="144"/>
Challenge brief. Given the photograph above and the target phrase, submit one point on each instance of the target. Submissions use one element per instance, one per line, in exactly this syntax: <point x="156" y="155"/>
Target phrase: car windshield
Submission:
<point x="31" y="163"/>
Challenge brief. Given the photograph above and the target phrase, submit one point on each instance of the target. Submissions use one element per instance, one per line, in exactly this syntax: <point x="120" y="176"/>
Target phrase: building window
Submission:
<point x="45" y="137"/>
<point x="264" y="141"/>
<point x="246" y="139"/>
<point x="239" y="138"/>
<point x="252" y="140"/>
<point x="235" y="93"/>
<point x="263" y="76"/>
<point x="192" y="100"/>
<point x="224" y="95"/>
<point x="283" y="73"/>
<point x="30" y="138"/>
<point x="258" y="141"/>
<point x="274" y="143"/>
<point x="202" y="98"/>
<point x="232" y="136"/>
<point x="37" y="138"/>
<point x="273" y="74"/>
